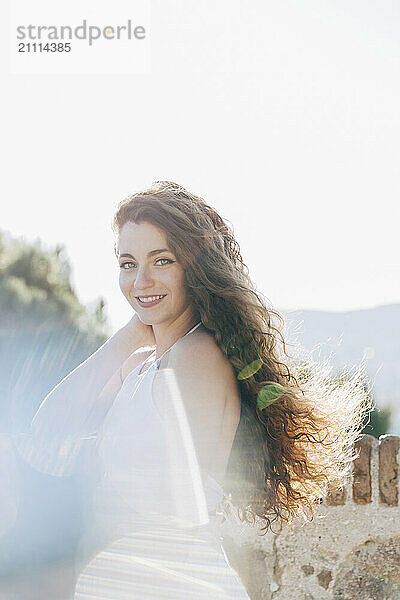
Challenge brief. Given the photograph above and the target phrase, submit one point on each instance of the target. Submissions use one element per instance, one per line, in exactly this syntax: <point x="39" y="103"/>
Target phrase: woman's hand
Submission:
<point x="144" y="332"/>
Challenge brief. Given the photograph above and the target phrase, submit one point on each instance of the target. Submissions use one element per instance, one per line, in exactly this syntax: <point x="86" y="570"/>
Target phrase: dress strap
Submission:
<point x="157" y="361"/>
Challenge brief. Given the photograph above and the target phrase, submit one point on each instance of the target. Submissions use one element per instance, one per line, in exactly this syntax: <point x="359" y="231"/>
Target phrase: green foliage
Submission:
<point x="379" y="421"/>
<point x="269" y="394"/>
<point x="250" y="369"/>
<point x="35" y="290"/>
<point x="45" y="332"/>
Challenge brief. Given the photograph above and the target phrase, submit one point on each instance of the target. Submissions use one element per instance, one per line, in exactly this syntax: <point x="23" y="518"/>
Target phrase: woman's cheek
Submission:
<point x="124" y="284"/>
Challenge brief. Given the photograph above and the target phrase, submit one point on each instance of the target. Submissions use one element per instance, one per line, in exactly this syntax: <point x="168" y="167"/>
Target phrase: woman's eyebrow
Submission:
<point x="151" y="253"/>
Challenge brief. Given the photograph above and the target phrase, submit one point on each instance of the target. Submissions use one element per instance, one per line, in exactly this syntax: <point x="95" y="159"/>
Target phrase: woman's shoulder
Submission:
<point x="200" y="342"/>
<point x="200" y="354"/>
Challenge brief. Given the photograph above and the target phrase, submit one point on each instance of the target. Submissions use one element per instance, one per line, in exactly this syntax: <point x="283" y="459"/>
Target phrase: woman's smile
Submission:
<point x="147" y="301"/>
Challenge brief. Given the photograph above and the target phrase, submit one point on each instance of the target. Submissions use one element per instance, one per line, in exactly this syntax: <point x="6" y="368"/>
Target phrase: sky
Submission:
<point x="282" y="115"/>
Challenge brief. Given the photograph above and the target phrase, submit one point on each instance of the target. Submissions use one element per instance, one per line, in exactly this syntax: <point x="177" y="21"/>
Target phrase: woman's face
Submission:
<point x="148" y="268"/>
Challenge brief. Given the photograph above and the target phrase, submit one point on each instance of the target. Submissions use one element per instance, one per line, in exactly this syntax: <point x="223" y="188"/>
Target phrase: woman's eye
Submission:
<point x="122" y="265"/>
<point x="166" y="262"/>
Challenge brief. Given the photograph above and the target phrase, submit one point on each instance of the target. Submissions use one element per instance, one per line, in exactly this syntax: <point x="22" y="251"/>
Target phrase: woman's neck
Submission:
<point x="166" y="334"/>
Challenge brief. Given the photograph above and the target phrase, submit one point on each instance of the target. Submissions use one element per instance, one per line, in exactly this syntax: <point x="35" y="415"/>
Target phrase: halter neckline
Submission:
<point x="157" y="360"/>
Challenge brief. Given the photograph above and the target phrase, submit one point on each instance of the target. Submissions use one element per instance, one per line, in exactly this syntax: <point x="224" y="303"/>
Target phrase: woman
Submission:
<point x="193" y="408"/>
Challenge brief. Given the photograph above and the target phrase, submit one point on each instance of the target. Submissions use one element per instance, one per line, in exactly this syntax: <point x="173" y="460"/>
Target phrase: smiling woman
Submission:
<point x="201" y="411"/>
<point x="153" y="281"/>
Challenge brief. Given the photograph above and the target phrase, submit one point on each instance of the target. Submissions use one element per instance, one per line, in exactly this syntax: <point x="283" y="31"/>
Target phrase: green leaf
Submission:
<point x="269" y="394"/>
<point x="250" y="369"/>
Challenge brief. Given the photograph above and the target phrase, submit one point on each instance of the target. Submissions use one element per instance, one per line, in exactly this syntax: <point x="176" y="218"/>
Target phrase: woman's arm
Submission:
<point x="87" y="380"/>
<point x="109" y="392"/>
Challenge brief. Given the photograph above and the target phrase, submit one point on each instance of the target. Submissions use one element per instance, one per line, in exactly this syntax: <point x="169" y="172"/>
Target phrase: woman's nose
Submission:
<point x="143" y="279"/>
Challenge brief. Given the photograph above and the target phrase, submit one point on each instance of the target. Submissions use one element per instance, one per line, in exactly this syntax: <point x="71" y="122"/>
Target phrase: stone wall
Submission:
<point x="351" y="550"/>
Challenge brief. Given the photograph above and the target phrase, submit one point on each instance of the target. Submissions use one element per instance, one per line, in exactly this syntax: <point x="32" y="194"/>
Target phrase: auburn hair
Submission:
<point x="287" y="455"/>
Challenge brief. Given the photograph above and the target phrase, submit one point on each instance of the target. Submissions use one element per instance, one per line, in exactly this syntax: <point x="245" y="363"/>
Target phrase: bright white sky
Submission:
<point x="283" y="115"/>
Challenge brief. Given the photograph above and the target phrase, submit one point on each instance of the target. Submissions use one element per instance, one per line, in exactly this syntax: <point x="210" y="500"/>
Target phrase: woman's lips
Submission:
<point x="152" y="303"/>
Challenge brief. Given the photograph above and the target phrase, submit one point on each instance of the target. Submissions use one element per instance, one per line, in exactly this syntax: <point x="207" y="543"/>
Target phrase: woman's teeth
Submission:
<point x="150" y="298"/>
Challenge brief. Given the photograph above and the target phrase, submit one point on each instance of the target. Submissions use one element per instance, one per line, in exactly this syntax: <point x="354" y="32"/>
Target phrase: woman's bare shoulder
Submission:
<point x="200" y="353"/>
<point x="200" y="341"/>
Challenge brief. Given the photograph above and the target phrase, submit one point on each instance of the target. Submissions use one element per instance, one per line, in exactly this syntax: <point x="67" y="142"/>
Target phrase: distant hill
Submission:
<point x="346" y="337"/>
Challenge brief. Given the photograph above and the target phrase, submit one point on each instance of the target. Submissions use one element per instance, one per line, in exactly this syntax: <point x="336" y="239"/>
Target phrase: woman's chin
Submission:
<point x="149" y="320"/>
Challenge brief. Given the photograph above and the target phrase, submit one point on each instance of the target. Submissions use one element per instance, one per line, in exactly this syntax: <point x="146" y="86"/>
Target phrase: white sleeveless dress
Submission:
<point x="155" y="516"/>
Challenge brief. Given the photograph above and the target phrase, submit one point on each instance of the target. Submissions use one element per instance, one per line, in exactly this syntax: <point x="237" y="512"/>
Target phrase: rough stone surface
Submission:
<point x="370" y="571"/>
<point x="349" y="551"/>
<point x="324" y="578"/>
<point x="336" y="497"/>
<point x="250" y="565"/>
<point x="388" y="470"/>
<point x="362" y="488"/>
<point x="307" y="569"/>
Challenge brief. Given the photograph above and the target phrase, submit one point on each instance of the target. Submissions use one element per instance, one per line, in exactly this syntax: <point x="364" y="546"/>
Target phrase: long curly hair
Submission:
<point x="288" y="453"/>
